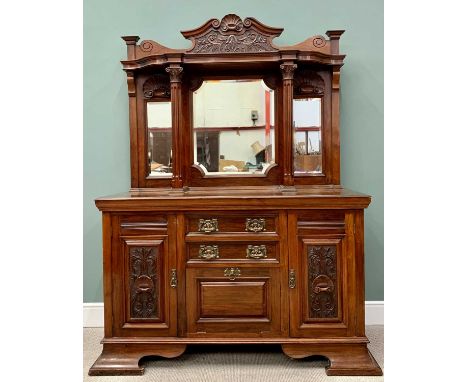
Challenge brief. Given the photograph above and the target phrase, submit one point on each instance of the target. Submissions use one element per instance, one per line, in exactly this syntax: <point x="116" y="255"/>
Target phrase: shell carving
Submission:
<point x="308" y="82"/>
<point x="231" y="22"/>
<point x="157" y="86"/>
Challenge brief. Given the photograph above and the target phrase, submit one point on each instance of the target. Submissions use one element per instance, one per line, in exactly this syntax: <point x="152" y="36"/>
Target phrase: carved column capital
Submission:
<point x="175" y="73"/>
<point x="287" y="70"/>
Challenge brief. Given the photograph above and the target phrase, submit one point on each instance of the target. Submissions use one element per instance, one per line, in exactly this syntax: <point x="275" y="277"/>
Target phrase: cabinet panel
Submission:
<point x="144" y="304"/>
<point x="320" y="252"/>
<point x="233" y="301"/>
<point x="321" y="266"/>
<point x="144" y="273"/>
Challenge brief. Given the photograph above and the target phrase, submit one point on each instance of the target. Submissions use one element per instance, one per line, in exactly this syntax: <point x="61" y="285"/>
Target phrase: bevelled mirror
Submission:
<point x="159" y="125"/>
<point x="307" y="124"/>
<point x="233" y="127"/>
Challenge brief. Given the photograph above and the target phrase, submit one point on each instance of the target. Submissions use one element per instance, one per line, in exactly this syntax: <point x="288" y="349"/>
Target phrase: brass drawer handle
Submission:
<point x="208" y="225"/>
<point x="232" y="273"/>
<point x="292" y="278"/>
<point x="255" y="224"/>
<point x="208" y="252"/>
<point x="256" y="252"/>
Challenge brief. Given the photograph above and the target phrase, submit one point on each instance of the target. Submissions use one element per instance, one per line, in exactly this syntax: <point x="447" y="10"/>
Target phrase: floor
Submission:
<point x="230" y="363"/>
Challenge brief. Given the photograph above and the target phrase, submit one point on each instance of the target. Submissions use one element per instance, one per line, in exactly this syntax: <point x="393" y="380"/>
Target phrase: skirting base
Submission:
<point x="123" y="359"/>
<point x="345" y="359"/>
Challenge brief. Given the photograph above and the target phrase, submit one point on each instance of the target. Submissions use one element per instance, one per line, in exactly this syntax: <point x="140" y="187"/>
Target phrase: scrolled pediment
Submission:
<point x="231" y="34"/>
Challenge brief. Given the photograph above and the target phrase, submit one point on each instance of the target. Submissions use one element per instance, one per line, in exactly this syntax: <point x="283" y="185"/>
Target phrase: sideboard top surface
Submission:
<point x="277" y="197"/>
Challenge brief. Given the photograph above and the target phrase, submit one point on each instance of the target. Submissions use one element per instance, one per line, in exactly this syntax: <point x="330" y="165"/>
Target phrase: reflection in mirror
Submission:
<point x="233" y="123"/>
<point x="307" y="117"/>
<point x="159" y="120"/>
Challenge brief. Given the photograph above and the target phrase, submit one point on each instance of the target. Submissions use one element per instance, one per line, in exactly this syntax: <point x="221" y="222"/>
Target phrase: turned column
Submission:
<point x="175" y="73"/>
<point x="287" y="70"/>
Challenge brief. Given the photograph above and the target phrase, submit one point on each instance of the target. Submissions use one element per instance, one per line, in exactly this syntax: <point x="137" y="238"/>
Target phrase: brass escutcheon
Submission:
<point x="292" y="278"/>
<point x="173" y="282"/>
<point x="232" y="273"/>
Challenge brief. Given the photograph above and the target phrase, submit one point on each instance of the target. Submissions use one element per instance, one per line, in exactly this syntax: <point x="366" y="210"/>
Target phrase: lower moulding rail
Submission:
<point x="224" y="340"/>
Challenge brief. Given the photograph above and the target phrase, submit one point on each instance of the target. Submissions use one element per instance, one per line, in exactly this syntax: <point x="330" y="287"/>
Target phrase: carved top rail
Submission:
<point x="232" y="39"/>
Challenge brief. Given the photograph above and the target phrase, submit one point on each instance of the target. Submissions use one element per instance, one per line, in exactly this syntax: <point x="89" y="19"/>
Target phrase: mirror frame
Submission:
<point x="197" y="175"/>
<point x="316" y="84"/>
<point x="181" y="70"/>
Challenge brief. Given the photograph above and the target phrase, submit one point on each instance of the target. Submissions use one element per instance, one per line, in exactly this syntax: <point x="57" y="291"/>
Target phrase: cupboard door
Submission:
<point x="233" y="301"/>
<point x="318" y="300"/>
<point x="144" y="302"/>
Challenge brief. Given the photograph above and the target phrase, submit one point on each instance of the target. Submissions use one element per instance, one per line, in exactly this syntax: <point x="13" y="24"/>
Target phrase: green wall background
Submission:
<point x="106" y="163"/>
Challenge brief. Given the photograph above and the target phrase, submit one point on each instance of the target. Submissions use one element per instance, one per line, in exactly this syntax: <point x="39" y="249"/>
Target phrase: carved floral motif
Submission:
<point x="322" y="281"/>
<point x="143" y="282"/>
<point x="232" y="35"/>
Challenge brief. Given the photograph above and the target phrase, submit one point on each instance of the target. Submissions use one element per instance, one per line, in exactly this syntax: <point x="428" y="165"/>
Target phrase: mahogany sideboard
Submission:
<point x="255" y="252"/>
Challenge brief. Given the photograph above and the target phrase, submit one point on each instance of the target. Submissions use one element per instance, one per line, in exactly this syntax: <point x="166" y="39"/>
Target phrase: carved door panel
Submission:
<point x="233" y="301"/>
<point x="318" y="306"/>
<point x="144" y="301"/>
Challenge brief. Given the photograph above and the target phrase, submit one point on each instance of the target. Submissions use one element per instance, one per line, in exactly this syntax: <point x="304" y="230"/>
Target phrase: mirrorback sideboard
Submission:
<point x="236" y="229"/>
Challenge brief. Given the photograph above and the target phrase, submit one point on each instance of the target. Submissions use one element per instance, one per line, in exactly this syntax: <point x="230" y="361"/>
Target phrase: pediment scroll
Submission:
<point x="231" y="34"/>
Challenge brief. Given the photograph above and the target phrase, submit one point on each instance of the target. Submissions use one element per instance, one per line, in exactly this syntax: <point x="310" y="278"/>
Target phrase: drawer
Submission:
<point x="222" y="252"/>
<point x="219" y="222"/>
<point x="233" y="301"/>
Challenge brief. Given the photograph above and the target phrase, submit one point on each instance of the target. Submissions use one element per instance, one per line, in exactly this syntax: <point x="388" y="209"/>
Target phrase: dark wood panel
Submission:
<point x="318" y="299"/>
<point x="233" y="299"/>
<point x="257" y="313"/>
<point x="144" y="269"/>
<point x="143" y="303"/>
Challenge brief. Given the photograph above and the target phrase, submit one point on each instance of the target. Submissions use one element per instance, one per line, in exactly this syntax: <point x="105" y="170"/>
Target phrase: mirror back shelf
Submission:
<point x="234" y="110"/>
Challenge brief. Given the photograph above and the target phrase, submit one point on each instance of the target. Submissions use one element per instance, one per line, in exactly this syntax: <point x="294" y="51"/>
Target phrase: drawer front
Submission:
<point x="233" y="301"/>
<point x="252" y="222"/>
<point x="265" y="252"/>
